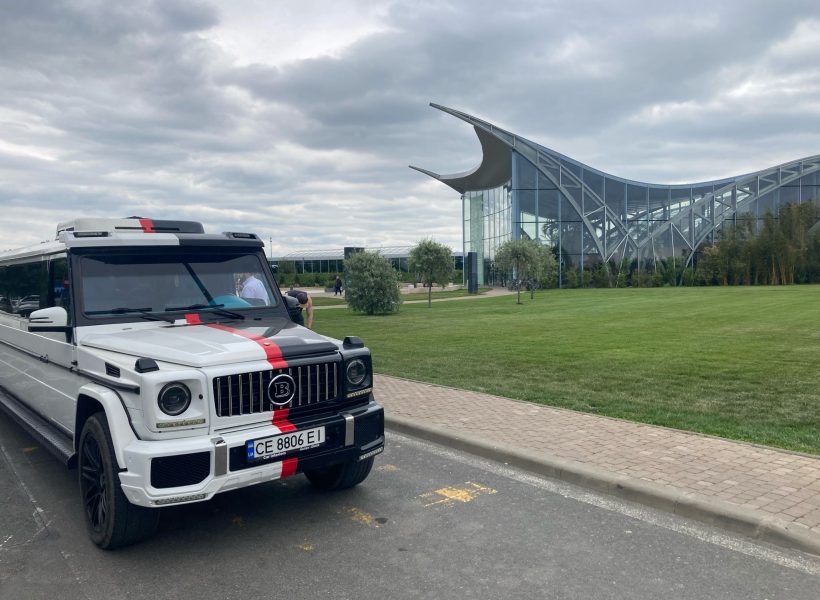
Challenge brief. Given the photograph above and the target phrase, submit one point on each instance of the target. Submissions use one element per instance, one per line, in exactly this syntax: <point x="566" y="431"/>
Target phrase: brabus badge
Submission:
<point x="281" y="389"/>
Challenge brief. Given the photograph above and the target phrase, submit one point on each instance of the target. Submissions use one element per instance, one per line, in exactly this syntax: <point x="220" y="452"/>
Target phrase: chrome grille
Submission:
<point x="247" y="393"/>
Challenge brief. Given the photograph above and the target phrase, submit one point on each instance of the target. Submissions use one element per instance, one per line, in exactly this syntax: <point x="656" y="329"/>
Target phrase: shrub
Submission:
<point x="406" y="276"/>
<point x="571" y="277"/>
<point x="372" y="285"/>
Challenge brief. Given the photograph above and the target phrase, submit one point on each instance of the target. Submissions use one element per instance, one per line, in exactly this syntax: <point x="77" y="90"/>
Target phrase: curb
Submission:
<point x="717" y="513"/>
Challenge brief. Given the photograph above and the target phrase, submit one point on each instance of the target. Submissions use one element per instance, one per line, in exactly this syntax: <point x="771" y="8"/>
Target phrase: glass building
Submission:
<point x="524" y="190"/>
<point x="332" y="261"/>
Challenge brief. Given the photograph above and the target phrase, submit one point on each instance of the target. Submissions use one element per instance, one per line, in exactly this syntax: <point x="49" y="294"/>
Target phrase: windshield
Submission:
<point x="144" y="284"/>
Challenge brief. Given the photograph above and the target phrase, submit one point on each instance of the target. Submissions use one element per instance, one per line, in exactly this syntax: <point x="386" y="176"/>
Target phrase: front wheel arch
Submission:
<point x="94" y="398"/>
<point x="86" y="406"/>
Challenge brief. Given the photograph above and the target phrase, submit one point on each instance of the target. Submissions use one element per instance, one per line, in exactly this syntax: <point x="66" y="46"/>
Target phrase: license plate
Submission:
<point x="285" y="443"/>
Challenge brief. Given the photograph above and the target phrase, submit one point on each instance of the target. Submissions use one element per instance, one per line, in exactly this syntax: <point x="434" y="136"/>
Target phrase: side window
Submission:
<point x="24" y="288"/>
<point x="6" y="290"/>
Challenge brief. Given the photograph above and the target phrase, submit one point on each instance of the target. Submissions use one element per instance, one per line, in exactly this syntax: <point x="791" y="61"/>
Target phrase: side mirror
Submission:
<point x="352" y="341"/>
<point x="294" y="312"/>
<point x="54" y="318"/>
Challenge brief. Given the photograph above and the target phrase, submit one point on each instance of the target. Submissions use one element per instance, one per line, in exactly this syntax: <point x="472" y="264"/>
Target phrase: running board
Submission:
<point x="53" y="440"/>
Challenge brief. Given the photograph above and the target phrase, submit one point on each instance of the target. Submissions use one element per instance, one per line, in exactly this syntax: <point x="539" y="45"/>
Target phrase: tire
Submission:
<point x="342" y="476"/>
<point x="112" y="521"/>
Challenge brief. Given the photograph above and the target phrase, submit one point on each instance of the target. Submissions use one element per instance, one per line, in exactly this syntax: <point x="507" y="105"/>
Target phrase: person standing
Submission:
<point x="337" y="286"/>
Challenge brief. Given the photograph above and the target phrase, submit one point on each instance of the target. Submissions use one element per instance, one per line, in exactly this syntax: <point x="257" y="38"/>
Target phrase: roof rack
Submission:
<point x="90" y="227"/>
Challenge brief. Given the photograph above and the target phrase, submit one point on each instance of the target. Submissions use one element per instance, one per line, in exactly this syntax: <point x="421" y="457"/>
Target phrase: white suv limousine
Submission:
<point x="162" y="362"/>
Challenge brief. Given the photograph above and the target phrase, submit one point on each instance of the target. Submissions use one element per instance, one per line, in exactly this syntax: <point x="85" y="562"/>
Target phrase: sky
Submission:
<point x="298" y="120"/>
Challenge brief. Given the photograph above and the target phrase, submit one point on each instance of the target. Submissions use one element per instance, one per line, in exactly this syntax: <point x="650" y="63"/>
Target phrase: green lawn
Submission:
<point x="421" y="295"/>
<point x="328" y="301"/>
<point x="741" y="363"/>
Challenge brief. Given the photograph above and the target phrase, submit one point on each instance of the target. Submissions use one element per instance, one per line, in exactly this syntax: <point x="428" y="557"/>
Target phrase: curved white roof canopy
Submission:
<point x="690" y="212"/>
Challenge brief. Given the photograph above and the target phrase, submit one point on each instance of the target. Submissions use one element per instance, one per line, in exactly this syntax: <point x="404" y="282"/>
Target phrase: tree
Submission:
<point x="547" y="273"/>
<point x="434" y="264"/>
<point x="520" y="257"/>
<point x="372" y="285"/>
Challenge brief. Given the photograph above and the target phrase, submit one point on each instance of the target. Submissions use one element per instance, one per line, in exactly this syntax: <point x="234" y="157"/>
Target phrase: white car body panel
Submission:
<point x="119" y="359"/>
<point x="39" y="369"/>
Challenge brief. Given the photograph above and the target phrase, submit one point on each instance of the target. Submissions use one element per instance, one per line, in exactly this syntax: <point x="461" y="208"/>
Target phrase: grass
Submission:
<point x="328" y="301"/>
<point x="338" y="301"/>
<point x="422" y="294"/>
<point x="739" y="363"/>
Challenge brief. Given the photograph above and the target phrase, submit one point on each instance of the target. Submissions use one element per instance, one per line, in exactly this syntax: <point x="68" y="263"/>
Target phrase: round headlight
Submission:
<point x="356" y="371"/>
<point x="174" y="399"/>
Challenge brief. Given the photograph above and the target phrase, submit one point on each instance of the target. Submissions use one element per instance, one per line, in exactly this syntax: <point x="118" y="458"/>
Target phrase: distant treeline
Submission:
<point x="779" y="250"/>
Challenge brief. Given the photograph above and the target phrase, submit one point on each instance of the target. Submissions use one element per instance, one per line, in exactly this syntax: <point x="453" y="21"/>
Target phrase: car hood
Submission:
<point x="208" y="344"/>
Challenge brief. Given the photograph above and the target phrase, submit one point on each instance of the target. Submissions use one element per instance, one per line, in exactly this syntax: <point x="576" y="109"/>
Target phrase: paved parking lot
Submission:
<point x="428" y="523"/>
<point x="763" y="492"/>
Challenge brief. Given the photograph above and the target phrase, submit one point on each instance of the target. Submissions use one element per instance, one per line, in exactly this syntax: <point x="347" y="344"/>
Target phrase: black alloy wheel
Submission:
<point x="93" y="484"/>
<point x="111" y="519"/>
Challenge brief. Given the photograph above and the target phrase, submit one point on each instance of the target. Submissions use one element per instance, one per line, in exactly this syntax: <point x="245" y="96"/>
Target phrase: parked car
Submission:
<point x="27" y="305"/>
<point x="152" y="375"/>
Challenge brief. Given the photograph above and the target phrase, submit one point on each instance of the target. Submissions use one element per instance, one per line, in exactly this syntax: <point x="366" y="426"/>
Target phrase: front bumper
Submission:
<point x="218" y="463"/>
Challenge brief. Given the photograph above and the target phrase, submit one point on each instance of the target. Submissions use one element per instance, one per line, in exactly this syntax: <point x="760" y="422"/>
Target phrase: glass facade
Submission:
<point x="487" y="225"/>
<point x="591" y="217"/>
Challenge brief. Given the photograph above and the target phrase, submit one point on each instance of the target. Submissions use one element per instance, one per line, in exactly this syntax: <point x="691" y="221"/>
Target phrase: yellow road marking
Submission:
<point x="362" y="517"/>
<point x="387" y="468"/>
<point x="450" y="495"/>
<point x="30" y="449"/>
<point x="306" y="547"/>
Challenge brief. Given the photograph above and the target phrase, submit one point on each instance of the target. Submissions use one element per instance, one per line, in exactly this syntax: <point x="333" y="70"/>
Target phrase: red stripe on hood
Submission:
<point x="147" y="225"/>
<point x="289" y="466"/>
<point x="273" y="353"/>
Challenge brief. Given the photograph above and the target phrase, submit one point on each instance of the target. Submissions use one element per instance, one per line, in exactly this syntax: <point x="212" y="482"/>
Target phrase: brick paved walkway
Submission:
<point x="775" y="484"/>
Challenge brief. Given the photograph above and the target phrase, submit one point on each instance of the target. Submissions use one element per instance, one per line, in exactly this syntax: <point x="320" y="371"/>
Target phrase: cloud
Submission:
<point x="298" y="120"/>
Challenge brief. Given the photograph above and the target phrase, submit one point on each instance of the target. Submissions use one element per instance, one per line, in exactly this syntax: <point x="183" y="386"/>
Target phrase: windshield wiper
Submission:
<point x="142" y="312"/>
<point x="216" y="308"/>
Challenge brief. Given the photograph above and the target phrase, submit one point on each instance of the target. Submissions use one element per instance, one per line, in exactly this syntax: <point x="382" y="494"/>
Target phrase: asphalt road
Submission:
<point x="428" y="523"/>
